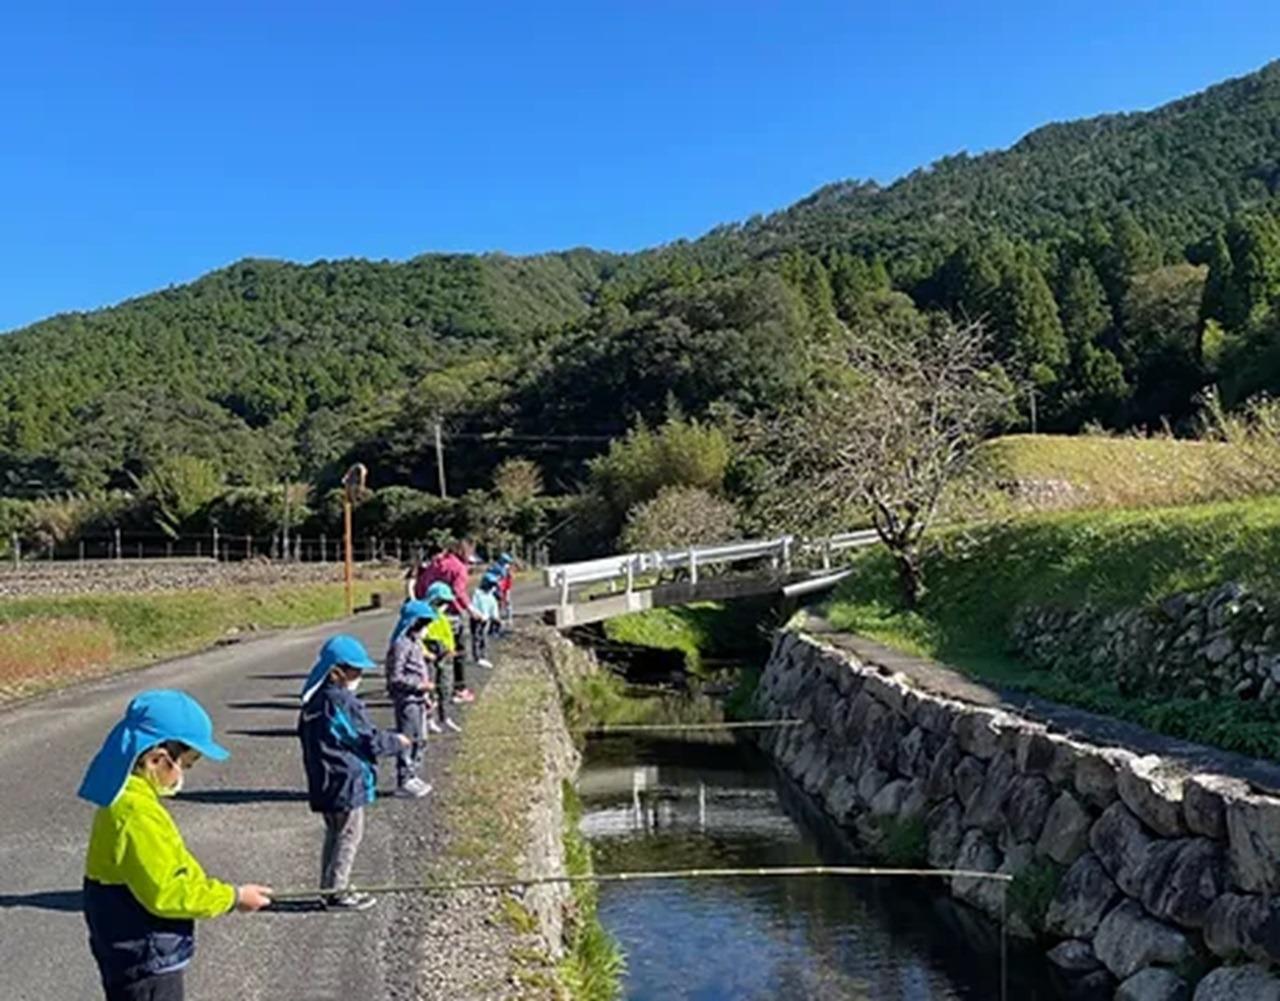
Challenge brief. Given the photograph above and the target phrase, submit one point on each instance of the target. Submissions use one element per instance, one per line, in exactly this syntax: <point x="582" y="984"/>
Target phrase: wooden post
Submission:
<point x="15" y="543"/>
<point x="324" y="548"/>
<point x="119" y="547"/>
<point x="215" y="543"/>
<point x="347" y="570"/>
<point x="82" y="550"/>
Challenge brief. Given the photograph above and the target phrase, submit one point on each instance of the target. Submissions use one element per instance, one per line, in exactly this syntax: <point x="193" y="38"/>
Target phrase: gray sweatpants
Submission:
<point x="411" y="720"/>
<point x="342" y="835"/>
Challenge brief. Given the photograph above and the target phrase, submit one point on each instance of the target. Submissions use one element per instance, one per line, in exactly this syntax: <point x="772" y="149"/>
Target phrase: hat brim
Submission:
<point x="209" y="749"/>
<point x="359" y="665"/>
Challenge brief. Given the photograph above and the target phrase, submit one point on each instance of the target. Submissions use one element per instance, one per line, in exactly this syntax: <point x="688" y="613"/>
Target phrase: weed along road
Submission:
<point x="246" y="819"/>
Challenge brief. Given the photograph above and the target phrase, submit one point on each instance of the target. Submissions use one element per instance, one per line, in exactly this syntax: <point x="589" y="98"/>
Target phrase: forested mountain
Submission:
<point x="1124" y="263"/>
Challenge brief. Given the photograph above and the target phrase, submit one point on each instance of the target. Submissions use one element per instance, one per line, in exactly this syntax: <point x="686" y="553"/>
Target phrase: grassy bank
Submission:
<point x="499" y="763"/>
<point x="1107" y="559"/>
<point x="48" y="642"/>
<point x="702" y="633"/>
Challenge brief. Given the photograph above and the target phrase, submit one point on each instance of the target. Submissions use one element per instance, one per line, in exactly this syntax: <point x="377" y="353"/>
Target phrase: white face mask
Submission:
<point x="353" y="684"/>
<point x="165" y="791"/>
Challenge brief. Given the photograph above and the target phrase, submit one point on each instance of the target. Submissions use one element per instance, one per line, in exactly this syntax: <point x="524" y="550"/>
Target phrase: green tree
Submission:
<point x="1083" y="306"/>
<point x="678" y="453"/>
<point x="178" y="487"/>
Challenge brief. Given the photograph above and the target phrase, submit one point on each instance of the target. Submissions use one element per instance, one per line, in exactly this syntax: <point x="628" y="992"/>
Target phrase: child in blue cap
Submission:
<point x="143" y="890"/>
<point x="340" y="748"/>
<point x="409" y="684"/>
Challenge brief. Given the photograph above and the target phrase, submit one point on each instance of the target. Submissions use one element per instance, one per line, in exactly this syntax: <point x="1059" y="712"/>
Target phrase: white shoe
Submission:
<point x="452" y="726"/>
<point x="434" y="727"/>
<point x="486" y="664"/>
<point x="413" y="789"/>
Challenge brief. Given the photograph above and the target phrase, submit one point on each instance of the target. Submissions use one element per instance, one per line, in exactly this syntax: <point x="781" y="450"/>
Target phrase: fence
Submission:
<point x="779" y="553"/>
<point x="226" y="547"/>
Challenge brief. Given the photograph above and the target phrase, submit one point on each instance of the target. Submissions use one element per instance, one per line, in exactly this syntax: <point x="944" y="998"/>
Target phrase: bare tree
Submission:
<point x="888" y="435"/>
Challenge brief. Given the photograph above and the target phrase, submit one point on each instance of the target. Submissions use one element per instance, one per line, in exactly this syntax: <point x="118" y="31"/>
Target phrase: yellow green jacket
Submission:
<point x="143" y="889"/>
<point x="441" y="631"/>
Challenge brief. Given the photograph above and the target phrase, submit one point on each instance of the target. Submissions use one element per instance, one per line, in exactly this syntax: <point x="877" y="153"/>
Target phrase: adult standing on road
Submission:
<point x="450" y="567"/>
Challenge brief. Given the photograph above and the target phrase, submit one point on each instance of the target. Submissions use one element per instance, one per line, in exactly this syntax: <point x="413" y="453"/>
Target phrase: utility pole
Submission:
<point x="285" y="528"/>
<point x="352" y="484"/>
<point x="444" y="492"/>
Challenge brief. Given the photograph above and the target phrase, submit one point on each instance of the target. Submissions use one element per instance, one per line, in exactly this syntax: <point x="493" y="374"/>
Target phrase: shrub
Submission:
<point x="678" y="453"/>
<point x="678" y="517"/>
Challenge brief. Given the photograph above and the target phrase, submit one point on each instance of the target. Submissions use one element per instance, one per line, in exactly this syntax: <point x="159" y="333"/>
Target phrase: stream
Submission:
<point x="671" y="804"/>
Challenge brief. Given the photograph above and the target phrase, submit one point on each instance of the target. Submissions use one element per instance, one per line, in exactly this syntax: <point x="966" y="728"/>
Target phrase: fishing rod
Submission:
<point x="643" y="876"/>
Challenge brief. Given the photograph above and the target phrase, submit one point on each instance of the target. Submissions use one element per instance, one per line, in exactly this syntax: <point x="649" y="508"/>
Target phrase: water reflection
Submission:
<point x="657" y="804"/>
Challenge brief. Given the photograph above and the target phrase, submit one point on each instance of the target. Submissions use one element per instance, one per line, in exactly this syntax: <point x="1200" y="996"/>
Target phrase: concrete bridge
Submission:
<point x="595" y="590"/>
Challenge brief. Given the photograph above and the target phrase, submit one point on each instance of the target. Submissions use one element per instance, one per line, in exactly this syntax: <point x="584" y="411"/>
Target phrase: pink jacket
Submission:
<point x="451" y="570"/>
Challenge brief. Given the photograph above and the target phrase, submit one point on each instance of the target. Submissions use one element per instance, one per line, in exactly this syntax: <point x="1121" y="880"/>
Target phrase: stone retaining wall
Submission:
<point x="1161" y="874"/>
<point x="1219" y="643"/>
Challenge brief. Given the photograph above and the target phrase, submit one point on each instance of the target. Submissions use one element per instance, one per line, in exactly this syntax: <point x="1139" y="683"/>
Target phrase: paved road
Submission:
<point x="246" y="819"/>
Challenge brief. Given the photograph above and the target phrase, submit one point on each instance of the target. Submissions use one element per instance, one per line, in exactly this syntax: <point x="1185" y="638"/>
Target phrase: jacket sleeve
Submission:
<point x="163" y="876"/>
<point x="459" y="585"/>
<point x="351" y="727"/>
<point x="397" y="659"/>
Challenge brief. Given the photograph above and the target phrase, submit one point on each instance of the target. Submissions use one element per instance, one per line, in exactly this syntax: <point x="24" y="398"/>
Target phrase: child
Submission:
<point x="408" y="684"/>
<point x="143" y="890"/>
<point x="500" y="577"/>
<point x="340" y="748"/>
<point x="484" y="600"/>
<point x="441" y="644"/>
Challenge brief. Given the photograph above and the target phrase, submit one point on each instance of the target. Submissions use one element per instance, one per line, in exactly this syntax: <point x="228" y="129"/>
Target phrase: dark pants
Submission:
<point x="411" y="720"/>
<point x="460" y="625"/>
<point x="442" y="675"/>
<point x="479" y="639"/>
<point x="164" y="987"/>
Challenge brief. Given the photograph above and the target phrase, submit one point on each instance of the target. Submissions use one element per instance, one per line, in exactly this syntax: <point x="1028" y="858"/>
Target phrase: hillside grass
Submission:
<point x="1043" y="472"/>
<point x="699" y="632"/>
<point x="53" y="641"/>
<point x="978" y="578"/>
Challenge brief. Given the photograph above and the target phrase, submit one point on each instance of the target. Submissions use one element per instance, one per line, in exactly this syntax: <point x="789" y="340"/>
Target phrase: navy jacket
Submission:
<point x="340" y="748"/>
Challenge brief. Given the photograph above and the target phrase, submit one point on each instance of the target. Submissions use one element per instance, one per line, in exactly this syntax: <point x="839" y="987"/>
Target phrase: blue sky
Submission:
<point x="142" y="144"/>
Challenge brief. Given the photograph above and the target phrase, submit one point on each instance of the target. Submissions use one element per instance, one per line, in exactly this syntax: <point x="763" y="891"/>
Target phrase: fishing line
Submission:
<point x="642" y="876"/>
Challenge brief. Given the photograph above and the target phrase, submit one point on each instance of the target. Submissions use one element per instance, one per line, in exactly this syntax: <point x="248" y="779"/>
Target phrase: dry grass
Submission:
<point x="38" y="653"/>
<point x="1020" y="473"/>
<point x="52" y="641"/>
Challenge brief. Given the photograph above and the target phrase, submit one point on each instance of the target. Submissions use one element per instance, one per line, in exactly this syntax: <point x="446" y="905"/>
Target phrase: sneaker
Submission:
<point x="485" y="663"/>
<point x="433" y="726"/>
<point x="452" y="727"/>
<point x="415" y="788"/>
<point x="351" y="901"/>
<point x="464" y="696"/>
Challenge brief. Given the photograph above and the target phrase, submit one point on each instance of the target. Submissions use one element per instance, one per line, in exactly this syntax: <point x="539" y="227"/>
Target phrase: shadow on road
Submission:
<point x="296" y="907"/>
<point x="230" y="797"/>
<point x="277" y="677"/>
<point x="289" y="706"/>
<point x="44" y="900"/>
<point x="266" y="731"/>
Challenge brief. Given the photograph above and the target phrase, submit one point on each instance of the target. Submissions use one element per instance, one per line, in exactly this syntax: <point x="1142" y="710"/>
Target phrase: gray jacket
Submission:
<point x="407" y="669"/>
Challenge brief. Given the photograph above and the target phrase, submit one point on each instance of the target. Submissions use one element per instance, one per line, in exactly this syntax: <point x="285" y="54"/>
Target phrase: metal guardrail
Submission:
<point x="630" y="566"/>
